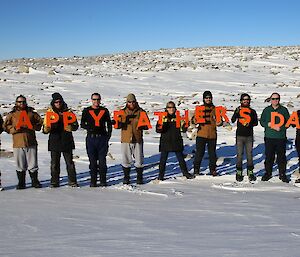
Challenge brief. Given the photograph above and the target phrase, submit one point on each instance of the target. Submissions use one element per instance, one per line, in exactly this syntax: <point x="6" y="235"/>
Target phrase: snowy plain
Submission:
<point x="206" y="216"/>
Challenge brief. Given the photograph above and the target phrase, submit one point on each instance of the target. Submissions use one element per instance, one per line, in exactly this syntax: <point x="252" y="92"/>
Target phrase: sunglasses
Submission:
<point x="56" y="102"/>
<point x="21" y="102"/>
<point x="208" y="98"/>
<point x="172" y="107"/>
<point x="275" y="98"/>
<point x="96" y="99"/>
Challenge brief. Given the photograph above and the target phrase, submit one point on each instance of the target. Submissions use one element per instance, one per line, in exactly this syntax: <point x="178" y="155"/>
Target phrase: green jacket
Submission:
<point x="266" y="118"/>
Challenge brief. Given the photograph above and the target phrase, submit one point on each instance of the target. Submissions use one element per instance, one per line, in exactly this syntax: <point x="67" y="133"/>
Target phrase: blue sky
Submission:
<point x="44" y="28"/>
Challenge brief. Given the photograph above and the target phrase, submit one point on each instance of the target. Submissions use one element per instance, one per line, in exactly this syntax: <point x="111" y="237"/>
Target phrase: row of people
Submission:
<point x="61" y="141"/>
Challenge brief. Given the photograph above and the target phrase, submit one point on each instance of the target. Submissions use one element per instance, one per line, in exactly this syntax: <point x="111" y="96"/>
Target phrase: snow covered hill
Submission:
<point x="202" y="217"/>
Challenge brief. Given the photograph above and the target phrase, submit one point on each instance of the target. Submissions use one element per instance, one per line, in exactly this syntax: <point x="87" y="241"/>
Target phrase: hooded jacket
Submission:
<point x="60" y="138"/>
<point x="170" y="139"/>
<point x="23" y="137"/>
<point x="130" y="133"/>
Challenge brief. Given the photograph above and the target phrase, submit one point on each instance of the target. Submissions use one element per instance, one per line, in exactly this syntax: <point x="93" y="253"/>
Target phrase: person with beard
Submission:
<point x="60" y="141"/>
<point x="207" y="135"/>
<point x="244" y="136"/>
<point x="297" y="142"/>
<point x="275" y="139"/>
<point x="132" y="145"/>
<point x="98" y="135"/>
<point x="24" y="140"/>
<point x="171" y="141"/>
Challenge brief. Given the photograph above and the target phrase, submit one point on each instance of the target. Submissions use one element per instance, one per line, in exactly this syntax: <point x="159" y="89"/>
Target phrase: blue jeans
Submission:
<point x="97" y="148"/>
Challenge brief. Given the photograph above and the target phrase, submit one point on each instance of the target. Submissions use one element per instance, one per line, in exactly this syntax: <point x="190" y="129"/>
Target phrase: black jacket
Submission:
<point x="170" y="139"/>
<point x="244" y="130"/>
<point x="88" y="122"/>
<point x="60" y="138"/>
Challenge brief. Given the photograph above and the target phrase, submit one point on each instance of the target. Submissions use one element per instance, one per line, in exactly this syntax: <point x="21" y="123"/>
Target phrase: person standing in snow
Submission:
<point x="132" y="145"/>
<point x="60" y="141"/>
<point x="207" y="135"/>
<point x="275" y="139"/>
<point x="244" y="136"/>
<point x="171" y="141"/>
<point x="297" y="142"/>
<point x="98" y="135"/>
<point x="24" y="140"/>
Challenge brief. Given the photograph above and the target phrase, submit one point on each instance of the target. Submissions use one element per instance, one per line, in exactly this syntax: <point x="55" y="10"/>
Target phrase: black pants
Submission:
<point x="163" y="161"/>
<point x="275" y="146"/>
<point x="97" y="148"/>
<point x="55" y="167"/>
<point x="244" y="143"/>
<point x="201" y="142"/>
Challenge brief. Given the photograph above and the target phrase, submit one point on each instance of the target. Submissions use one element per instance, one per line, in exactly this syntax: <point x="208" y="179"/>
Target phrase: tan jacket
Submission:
<point x="23" y="137"/>
<point x="130" y="132"/>
<point x="209" y="128"/>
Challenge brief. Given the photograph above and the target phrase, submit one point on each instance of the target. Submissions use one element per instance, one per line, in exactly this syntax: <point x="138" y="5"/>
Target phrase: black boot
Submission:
<point x="282" y="173"/>
<point x="196" y="171"/>
<point x="139" y="176"/>
<point x="187" y="174"/>
<point x="103" y="182"/>
<point x="161" y="174"/>
<point x="283" y="177"/>
<point x="126" y="180"/>
<point x="267" y="176"/>
<point x="21" y="177"/>
<point x="34" y="179"/>
<point x="239" y="175"/>
<point x="93" y="182"/>
<point x="213" y="172"/>
<point x="251" y="175"/>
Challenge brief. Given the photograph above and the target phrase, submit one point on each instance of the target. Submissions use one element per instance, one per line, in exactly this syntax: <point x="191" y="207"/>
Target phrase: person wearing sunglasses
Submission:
<point x="24" y="141"/>
<point x="244" y="137"/>
<point x="171" y="141"/>
<point x="207" y="135"/>
<point x="61" y="142"/>
<point x="97" y="138"/>
<point x="275" y="139"/>
<point x="132" y="144"/>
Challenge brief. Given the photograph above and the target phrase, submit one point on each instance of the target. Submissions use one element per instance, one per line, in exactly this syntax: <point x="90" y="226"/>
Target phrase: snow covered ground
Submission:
<point x="202" y="217"/>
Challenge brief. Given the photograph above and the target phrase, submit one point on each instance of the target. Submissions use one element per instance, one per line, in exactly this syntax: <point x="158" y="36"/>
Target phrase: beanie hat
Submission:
<point x="131" y="98"/>
<point x="207" y="94"/>
<point x="244" y="95"/>
<point x="57" y="96"/>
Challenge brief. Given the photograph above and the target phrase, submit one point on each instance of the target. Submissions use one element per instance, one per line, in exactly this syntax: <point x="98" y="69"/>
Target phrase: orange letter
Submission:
<point x="245" y="117"/>
<point x="273" y="119"/>
<point x="118" y="118"/>
<point x="160" y="117"/>
<point x="98" y="117"/>
<point x="199" y="114"/>
<point x="68" y="118"/>
<point x="24" y="121"/>
<point x="51" y="117"/>
<point x="221" y="112"/>
<point x="293" y="120"/>
<point x="179" y="118"/>
<point x="144" y="120"/>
